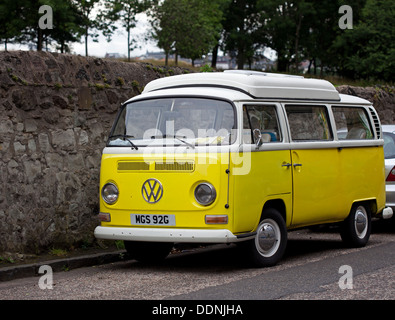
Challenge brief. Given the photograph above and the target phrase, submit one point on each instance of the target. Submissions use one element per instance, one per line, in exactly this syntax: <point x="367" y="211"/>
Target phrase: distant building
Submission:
<point x="224" y="62"/>
<point x="160" y="56"/>
<point x="114" y="55"/>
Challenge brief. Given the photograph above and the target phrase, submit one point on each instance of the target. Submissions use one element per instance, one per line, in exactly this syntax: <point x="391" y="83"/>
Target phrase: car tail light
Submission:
<point x="391" y="176"/>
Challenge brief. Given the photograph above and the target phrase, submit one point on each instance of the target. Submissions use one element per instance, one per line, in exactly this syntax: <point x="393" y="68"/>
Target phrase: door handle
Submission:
<point x="297" y="165"/>
<point x="287" y="165"/>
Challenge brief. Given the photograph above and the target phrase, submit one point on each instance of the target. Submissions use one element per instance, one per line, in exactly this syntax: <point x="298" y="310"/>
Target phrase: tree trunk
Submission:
<point x="309" y="68"/>
<point x="86" y="41"/>
<point x="39" y="39"/>
<point x="297" y="35"/>
<point x="281" y="64"/>
<point x="128" y="45"/>
<point x="240" y="60"/>
<point x="214" y="57"/>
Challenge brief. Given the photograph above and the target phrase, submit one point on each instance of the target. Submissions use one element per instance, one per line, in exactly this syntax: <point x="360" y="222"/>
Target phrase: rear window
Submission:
<point x="389" y="145"/>
<point x="352" y="123"/>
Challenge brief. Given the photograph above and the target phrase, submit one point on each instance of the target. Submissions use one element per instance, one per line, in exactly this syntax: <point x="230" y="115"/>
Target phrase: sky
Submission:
<point x="118" y="43"/>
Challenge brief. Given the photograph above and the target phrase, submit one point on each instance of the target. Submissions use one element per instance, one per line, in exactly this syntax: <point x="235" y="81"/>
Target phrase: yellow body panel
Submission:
<point x="178" y="181"/>
<point x="267" y="179"/>
<point x="329" y="181"/>
<point x="317" y="189"/>
<point x="321" y="190"/>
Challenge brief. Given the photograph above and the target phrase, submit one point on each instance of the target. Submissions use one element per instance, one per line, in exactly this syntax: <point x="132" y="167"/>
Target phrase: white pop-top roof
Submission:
<point x="258" y="85"/>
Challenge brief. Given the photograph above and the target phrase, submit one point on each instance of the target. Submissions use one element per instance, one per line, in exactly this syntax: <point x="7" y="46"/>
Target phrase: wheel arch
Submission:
<point x="371" y="204"/>
<point x="277" y="204"/>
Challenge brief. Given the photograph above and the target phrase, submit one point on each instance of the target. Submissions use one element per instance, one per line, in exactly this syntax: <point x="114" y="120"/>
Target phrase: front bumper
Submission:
<point x="166" y="235"/>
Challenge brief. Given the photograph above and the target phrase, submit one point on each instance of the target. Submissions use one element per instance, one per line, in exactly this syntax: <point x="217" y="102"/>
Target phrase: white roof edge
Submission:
<point x="345" y="98"/>
<point x="211" y="92"/>
<point x="256" y="84"/>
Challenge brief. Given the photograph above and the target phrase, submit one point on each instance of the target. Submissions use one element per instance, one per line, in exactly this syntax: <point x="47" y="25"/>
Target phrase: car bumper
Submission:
<point x="390" y="195"/>
<point x="166" y="235"/>
<point x="387" y="213"/>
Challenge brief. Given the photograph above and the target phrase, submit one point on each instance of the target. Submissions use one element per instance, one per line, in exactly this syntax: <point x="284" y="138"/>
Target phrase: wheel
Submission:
<point x="270" y="241"/>
<point x="149" y="252"/>
<point x="355" y="230"/>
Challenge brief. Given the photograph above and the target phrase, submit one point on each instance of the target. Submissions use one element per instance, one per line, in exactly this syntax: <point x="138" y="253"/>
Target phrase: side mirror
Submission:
<point x="257" y="137"/>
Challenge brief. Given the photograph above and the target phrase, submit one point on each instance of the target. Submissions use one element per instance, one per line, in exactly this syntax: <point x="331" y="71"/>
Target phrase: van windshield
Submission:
<point x="174" y="121"/>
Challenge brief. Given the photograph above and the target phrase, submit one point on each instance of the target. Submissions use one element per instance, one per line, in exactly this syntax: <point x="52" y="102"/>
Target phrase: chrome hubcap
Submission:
<point x="267" y="240"/>
<point x="361" y="222"/>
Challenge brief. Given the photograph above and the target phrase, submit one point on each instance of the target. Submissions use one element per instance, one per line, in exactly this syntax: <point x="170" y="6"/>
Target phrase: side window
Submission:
<point x="263" y="118"/>
<point x="308" y="123"/>
<point x="352" y="123"/>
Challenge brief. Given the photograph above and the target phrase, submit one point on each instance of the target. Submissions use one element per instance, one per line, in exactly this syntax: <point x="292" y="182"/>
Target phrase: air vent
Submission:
<point x="133" y="166"/>
<point x="176" y="166"/>
<point x="377" y="124"/>
<point x="187" y="166"/>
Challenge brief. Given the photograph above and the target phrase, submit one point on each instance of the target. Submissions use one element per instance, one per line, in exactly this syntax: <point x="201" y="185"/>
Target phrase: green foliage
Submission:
<point x="297" y="30"/>
<point x="58" y="252"/>
<point x="372" y="53"/>
<point x="19" y="22"/>
<point x="206" y="68"/>
<point x="242" y="30"/>
<point x="186" y="27"/>
<point x="119" y="81"/>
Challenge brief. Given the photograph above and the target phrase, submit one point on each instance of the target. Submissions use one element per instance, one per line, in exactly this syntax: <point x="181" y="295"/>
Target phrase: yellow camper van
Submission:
<point x="240" y="157"/>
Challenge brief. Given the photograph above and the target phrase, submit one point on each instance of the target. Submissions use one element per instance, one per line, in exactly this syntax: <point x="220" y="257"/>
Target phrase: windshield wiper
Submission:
<point x="125" y="138"/>
<point x="174" y="137"/>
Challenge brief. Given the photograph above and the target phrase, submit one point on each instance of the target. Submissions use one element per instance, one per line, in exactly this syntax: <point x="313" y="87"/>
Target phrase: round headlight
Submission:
<point x="205" y="194"/>
<point x="110" y="193"/>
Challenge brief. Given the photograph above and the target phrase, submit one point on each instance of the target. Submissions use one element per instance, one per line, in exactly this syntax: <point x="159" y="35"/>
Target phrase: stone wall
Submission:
<point x="56" y="112"/>
<point x="383" y="99"/>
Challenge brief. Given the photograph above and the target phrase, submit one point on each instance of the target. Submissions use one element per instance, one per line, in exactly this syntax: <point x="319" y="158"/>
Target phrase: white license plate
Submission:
<point x="153" y="219"/>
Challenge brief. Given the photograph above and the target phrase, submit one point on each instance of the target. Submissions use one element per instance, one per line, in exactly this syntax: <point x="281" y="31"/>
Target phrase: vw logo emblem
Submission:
<point x="152" y="190"/>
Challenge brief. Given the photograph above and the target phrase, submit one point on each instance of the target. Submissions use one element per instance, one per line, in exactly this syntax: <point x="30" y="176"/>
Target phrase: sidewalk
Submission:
<point x="22" y="270"/>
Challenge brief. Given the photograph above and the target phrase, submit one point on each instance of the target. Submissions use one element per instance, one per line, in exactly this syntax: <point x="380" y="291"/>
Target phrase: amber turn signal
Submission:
<point x="216" y="219"/>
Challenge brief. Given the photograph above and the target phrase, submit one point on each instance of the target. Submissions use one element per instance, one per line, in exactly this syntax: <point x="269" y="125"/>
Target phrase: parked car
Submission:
<point x="389" y="154"/>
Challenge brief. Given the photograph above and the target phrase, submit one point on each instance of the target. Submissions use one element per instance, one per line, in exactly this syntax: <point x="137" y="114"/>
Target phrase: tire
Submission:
<point x="148" y="252"/>
<point x="268" y="246"/>
<point x="355" y="230"/>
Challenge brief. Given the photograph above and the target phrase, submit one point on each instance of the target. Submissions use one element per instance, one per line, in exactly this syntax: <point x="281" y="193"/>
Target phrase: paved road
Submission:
<point x="309" y="270"/>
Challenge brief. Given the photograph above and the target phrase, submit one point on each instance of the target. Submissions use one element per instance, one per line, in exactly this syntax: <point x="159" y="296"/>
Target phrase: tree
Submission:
<point x="9" y="26"/>
<point x="125" y="11"/>
<point x="186" y="27"/>
<point x="242" y="28"/>
<point x="286" y="27"/>
<point x="372" y="42"/>
<point x="28" y="16"/>
<point x="20" y="21"/>
<point x="67" y="21"/>
<point x="163" y="19"/>
<point x="222" y="5"/>
<point x="85" y="9"/>
<point x="320" y="29"/>
<point x="201" y="25"/>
